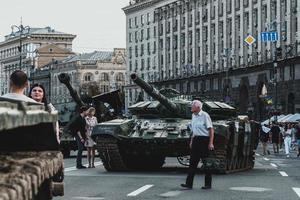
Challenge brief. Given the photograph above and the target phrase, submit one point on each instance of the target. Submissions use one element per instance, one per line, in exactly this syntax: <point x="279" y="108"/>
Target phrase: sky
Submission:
<point x="98" y="24"/>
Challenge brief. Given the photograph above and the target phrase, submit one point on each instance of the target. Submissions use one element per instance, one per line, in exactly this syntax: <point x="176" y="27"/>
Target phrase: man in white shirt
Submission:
<point x="18" y="84"/>
<point x="201" y="143"/>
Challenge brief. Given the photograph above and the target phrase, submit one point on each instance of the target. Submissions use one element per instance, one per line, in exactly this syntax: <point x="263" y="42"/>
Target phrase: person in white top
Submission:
<point x="91" y="121"/>
<point x="201" y="143"/>
<point x="18" y="82"/>
<point x="287" y="139"/>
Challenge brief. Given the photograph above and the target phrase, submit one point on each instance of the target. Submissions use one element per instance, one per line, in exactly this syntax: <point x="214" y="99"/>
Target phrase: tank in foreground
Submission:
<point x="159" y="129"/>
<point x="30" y="160"/>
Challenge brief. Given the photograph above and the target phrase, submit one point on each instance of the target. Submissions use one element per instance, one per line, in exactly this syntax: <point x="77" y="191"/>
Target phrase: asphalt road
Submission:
<point x="273" y="177"/>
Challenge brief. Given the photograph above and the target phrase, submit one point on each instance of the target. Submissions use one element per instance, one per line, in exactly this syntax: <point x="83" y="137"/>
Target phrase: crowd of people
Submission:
<point x="81" y="126"/>
<point x="287" y="135"/>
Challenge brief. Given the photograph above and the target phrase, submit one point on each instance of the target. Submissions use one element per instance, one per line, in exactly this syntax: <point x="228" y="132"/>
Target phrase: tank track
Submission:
<point x="109" y="152"/>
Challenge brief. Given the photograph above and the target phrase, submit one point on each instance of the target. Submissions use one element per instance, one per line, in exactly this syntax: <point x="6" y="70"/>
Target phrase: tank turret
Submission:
<point x="154" y="93"/>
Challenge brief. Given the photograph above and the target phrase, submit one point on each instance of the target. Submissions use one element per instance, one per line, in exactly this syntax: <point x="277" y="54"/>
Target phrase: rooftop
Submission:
<point x="90" y="58"/>
<point x="36" y="31"/>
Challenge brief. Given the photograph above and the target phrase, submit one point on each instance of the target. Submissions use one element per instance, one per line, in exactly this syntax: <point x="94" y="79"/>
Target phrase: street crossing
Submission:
<point x="273" y="177"/>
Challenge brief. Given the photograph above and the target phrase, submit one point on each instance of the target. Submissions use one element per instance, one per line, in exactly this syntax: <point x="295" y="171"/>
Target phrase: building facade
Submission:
<point x="90" y="74"/>
<point x="198" y="47"/>
<point x="39" y="47"/>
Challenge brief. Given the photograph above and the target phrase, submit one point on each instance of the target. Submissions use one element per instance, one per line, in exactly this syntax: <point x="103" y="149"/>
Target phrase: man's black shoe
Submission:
<point x="206" y="187"/>
<point x="186" y="186"/>
<point x="81" y="167"/>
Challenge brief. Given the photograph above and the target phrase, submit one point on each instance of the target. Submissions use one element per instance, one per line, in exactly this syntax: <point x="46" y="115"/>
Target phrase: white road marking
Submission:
<point x="250" y="189"/>
<point x="140" y="190"/>
<point x="68" y="169"/>
<point x="283" y="173"/>
<point x="257" y="154"/>
<point x="89" y="198"/>
<point x="267" y="159"/>
<point x="273" y="165"/>
<point x="297" y="190"/>
<point x="171" y="193"/>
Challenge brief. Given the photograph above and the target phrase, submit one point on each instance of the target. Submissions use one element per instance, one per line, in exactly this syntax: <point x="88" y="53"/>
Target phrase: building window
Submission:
<point x="130" y="52"/>
<point x="135" y="21"/>
<point x="130" y="23"/>
<point x="88" y="77"/>
<point x="142" y="19"/>
<point x="120" y="77"/>
<point x="104" y="77"/>
<point x="130" y="65"/>
<point x="148" y="18"/>
<point x="148" y="33"/>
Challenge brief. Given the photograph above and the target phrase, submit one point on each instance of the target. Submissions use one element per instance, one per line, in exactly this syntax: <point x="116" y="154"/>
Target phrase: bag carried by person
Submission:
<point x="212" y="163"/>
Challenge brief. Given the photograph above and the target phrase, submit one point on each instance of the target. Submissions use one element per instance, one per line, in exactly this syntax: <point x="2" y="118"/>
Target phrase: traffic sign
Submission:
<point x="269" y="36"/>
<point x="249" y="40"/>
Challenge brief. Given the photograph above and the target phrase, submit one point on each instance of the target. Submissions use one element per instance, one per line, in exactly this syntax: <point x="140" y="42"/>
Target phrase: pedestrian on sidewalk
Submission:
<point x="287" y="139"/>
<point x="264" y="138"/>
<point x="297" y="135"/>
<point x="91" y="121"/>
<point x="275" y="136"/>
<point x="77" y="126"/>
<point x="201" y="143"/>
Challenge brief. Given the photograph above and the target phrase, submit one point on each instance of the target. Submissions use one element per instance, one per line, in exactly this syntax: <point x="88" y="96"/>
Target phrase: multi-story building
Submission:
<point x="199" y="47"/>
<point x="90" y="74"/>
<point x="39" y="47"/>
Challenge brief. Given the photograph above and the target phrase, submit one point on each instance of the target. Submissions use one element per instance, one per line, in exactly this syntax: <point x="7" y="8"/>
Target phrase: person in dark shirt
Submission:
<point x="275" y="133"/>
<point x="78" y="128"/>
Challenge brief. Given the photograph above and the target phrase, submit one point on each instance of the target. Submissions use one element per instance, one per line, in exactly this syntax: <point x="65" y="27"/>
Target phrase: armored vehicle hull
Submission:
<point x="123" y="149"/>
<point x="30" y="160"/>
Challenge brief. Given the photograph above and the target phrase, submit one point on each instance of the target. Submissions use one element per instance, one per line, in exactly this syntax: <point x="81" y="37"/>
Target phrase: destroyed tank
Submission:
<point x="31" y="165"/>
<point x="160" y="129"/>
<point x="103" y="111"/>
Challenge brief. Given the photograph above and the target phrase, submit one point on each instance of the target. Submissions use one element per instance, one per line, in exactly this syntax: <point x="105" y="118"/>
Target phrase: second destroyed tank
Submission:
<point x="160" y="129"/>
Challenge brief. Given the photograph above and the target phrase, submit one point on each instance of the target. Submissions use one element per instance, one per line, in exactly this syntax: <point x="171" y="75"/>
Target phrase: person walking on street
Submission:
<point x="201" y="143"/>
<point x="77" y="126"/>
<point x="287" y="139"/>
<point x="91" y="121"/>
<point x="275" y="134"/>
<point x="264" y="138"/>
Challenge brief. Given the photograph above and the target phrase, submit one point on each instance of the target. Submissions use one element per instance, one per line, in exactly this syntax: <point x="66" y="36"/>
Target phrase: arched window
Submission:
<point x="88" y="77"/>
<point x="104" y="77"/>
<point x="120" y="77"/>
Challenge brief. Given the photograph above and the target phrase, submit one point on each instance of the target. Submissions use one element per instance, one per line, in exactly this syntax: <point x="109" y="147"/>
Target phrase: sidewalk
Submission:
<point x="281" y="154"/>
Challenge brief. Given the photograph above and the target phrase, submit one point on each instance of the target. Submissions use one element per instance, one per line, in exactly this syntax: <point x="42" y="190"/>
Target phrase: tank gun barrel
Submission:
<point x="65" y="79"/>
<point x="150" y="90"/>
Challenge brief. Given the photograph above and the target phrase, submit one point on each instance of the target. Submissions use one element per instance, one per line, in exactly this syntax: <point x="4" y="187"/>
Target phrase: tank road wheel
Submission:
<point x="44" y="191"/>
<point x="184" y="160"/>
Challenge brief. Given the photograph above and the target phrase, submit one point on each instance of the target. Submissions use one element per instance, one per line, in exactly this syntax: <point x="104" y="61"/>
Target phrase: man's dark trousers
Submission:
<point x="199" y="150"/>
<point x="79" y="152"/>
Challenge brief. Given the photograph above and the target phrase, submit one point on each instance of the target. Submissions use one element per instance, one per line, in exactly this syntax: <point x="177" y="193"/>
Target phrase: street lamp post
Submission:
<point x="23" y="31"/>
